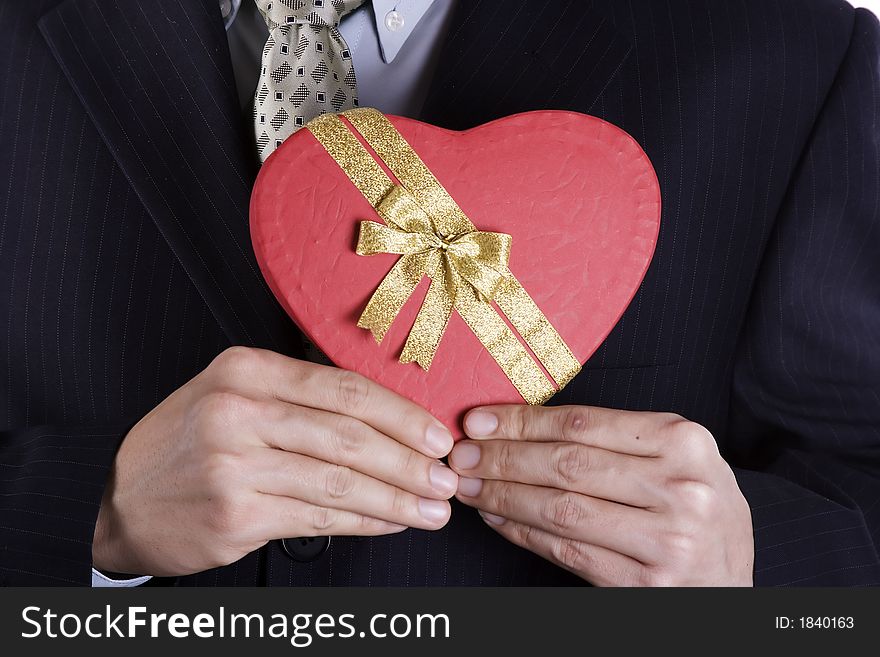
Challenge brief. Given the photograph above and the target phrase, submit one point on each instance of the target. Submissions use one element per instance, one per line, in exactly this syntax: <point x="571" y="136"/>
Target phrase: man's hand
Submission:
<point x="620" y="498"/>
<point x="259" y="446"/>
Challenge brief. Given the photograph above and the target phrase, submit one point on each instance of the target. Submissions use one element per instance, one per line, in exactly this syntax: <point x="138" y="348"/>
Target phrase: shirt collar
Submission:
<point x="395" y="21"/>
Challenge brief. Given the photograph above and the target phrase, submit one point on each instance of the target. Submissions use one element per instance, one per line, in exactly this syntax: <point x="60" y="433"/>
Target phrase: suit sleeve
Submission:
<point x="51" y="483"/>
<point x="806" y="405"/>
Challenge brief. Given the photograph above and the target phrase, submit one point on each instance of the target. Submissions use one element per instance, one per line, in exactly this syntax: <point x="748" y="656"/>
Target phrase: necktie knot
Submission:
<point x="318" y="13"/>
<point x="306" y="68"/>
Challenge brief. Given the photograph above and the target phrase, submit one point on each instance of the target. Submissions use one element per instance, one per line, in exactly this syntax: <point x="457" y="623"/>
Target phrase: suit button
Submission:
<point x="305" y="548"/>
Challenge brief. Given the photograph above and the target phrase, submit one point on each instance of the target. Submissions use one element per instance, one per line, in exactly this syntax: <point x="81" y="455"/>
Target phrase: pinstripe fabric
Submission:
<point x="125" y="264"/>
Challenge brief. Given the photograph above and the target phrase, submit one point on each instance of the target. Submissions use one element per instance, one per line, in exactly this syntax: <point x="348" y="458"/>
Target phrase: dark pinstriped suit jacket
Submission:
<point x="125" y="264"/>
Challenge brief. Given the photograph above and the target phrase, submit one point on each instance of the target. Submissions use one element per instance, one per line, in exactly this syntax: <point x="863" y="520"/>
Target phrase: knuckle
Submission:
<point x="505" y="459"/>
<point x="352" y="390"/>
<point x="575" y="421"/>
<point x="401" y="504"/>
<point x="411" y="463"/>
<point x="322" y="519"/>
<point x="670" y="419"/>
<point x="525" y="536"/>
<point x="677" y="547"/>
<point x="698" y="499"/>
<point x="366" y="524"/>
<point x="500" y="496"/>
<point x="563" y="512"/>
<point x="348" y="439"/>
<point x="691" y="439"/>
<point x="517" y="421"/>
<point x="236" y="359"/>
<point x="571" y="463"/>
<point x="220" y="473"/>
<point x="339" y="481"/>
<point x="221" y="408"/>
<point x="308" y="376"/>
<point x="567" y="552"/>
<point x="703" y="440"/>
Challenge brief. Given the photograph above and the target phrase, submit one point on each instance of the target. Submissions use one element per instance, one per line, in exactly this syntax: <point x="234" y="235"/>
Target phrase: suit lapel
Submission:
<point x="157" y="82"/>
<point x="501" y="58"/>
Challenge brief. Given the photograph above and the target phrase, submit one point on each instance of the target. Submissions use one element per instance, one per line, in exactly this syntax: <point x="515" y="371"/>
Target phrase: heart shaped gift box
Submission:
<point x="576" y="195"/>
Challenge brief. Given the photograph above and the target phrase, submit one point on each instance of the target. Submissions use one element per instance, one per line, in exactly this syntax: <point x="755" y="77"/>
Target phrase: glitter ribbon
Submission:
<point x="467" y="267"/>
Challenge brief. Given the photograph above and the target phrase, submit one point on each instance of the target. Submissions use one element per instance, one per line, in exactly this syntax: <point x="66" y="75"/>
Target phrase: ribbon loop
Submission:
<point x="401" y="210"/>
<point x="378" y="238"/>
<point x="481" y="260"/>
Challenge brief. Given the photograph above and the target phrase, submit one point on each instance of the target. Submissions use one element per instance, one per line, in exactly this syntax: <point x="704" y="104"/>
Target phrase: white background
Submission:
<point x="873" y="5"/>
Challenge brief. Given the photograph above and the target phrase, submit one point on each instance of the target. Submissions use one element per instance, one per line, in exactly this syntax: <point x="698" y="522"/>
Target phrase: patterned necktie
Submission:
<point x="306" y="69"/>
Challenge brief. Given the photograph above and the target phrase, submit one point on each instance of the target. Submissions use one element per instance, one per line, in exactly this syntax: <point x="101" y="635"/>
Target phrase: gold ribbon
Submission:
<point x="467" y="267"/>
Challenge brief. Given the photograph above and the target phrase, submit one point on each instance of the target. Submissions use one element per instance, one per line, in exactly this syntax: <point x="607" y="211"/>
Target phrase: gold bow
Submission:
<point x="453" y="262"/>
<point x="467" y="267"/>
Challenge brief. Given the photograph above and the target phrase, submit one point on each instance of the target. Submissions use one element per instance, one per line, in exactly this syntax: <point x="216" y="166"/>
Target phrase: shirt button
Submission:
<point x="394" y="20"/>
<point x="307" y="548"/>
<point x="225" y="8"/>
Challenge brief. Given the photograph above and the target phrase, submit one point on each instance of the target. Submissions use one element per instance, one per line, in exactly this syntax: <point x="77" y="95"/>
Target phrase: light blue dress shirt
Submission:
<point x="395" y="46"/>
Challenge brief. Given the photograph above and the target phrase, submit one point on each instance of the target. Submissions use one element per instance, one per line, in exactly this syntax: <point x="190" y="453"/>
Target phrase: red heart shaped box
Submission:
<point x="578" y="195"/>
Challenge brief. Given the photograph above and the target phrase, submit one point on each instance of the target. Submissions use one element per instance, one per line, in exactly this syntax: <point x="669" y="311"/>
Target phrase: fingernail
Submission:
<point x="433" y="510"/>
<point x="438" y="439"/>
<point x="492" y="519"/>
<point x="469" y="487"/>
<point x="442" y="478"/>
<point x="480" y="423"/>
<point x="465" y="456"/>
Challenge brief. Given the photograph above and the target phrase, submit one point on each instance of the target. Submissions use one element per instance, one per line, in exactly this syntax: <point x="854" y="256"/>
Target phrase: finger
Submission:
<point x="627" y="432"/>
<point x="614" y="526"/>
<point x="575" y="467"/>
<point x="285" y="517"/>
<point x="594" y="563"/>
<point x="339" y="487"/>
<point x="348" y="393"/>
<point x="344" y="440"/>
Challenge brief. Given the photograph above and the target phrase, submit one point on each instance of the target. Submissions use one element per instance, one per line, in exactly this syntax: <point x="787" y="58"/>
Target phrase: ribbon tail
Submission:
<point x="433" y="317"/>
<point x="537" y="331"/>
<point x="392" y="293"/>
<point x="503" y="345"/>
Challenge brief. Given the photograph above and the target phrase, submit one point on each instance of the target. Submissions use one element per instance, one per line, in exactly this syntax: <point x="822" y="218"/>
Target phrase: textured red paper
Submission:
<point x="578" y="195"/>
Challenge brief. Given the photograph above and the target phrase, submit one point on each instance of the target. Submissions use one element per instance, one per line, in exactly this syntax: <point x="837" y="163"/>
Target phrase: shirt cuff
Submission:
<point x="100" y="580"/>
